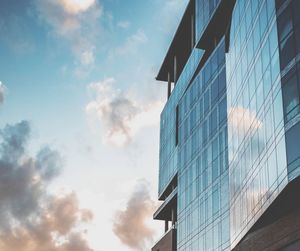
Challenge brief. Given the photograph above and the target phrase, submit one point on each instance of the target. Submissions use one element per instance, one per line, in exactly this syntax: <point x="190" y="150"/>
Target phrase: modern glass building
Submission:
<point x="230" y="131"/>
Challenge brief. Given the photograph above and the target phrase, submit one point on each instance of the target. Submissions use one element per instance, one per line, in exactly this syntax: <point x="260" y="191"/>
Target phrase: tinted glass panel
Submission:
<point x="292" y="143"/>
<point x="285" y="24"/>
<point x="290" y="95"/>
<point x="287" y="50"/>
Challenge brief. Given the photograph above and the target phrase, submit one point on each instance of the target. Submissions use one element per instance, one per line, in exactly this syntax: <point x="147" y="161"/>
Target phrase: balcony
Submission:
<point x="164" y="212"/>
<point x="167" y="242"/>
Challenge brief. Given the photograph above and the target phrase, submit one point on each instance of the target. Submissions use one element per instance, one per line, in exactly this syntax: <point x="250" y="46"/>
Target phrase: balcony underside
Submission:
<point x="168" y="188"/>
<point x="164" y="212"/>
<point x="167" y="242"/>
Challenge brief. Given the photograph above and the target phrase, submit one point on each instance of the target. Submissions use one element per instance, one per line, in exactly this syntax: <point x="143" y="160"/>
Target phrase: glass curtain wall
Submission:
<point x="203" y="189"/>
<point x="256" y="141"/>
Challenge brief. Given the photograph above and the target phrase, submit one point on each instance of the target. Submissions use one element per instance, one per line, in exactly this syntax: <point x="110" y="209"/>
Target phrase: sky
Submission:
<point x="79" y="122"/>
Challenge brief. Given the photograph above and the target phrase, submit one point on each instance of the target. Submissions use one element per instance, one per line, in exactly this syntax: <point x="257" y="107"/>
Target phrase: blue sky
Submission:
<point x="81" y="72"/>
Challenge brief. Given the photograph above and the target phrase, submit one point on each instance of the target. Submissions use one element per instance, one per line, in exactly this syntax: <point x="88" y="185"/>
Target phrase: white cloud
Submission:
<point x="120" y="115"/>
<point x="31" y="218"/>
<point x="76" y="21"/>
<point x="76" y="6"/>
<point x="130" y="224"/>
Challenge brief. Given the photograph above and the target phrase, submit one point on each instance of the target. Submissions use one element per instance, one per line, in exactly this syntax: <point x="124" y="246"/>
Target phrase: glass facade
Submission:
<point x="203" y="194"/>
<point x="168" y="163"/>
<point x="256" y="141"/>
<point x="230" y="130"/>
<point x="289" y="48"/>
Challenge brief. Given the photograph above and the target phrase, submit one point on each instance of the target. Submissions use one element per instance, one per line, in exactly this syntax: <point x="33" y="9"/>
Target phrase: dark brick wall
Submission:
<point x="167" y="243"/>
<point x="282" y="235"/>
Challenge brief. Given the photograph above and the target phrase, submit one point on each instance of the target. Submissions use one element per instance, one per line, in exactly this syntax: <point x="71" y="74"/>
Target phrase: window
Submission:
<point x="269" y="128"/>
<point x="205" y="179"/>
<point x="292" y="143"/>
<point x="254" y="147"/>
<point x="254" y="4"/>
<point x="290" y="97"/>
<point x="275" y="67"/>
<point x="265" y="56"/>
<point x="217" y="237"/>
<point x="193" y="118"/>
<point x="259" y="96"/>
<point x="211" y="6"/>
<point x="271" y="8"/>
<point x="204" y="132"/>
<point x="273" y="40"/>
<point x="287" y="50"/>
<point x="215" y="149"/>
<point x="252" y="84"/>
<point x="296" y="8"/>
<point x="248" y="19"/>
<point x="222" y="82"/>
<point x="256" y="36"/>
<point x="214" y="91"/>
<point x="214" y="63"/>
<point x="213" y="121"/>
<point x="272" y="164"/>
<point x="258" y="70"/>
<point x="216" y="200"/>
<point x="222" y="110"/>
<point x="297" y="37"/>
<point x="200" y="105"/>
<point x="281" y="156"/>
<point x="194" y="144"/>
<point x="221" y="54"/>
<point x="206" y="101"/>
<point x="263" y="19"/>
<point x="285" y="24"/>
<point x="250" y="51"/>
<point x="278" y="112"/>
<point x="193" y="94"/>
<point x="207" y="74"/>
<point x="215" y="169"/>
<point x="267" y="81"/>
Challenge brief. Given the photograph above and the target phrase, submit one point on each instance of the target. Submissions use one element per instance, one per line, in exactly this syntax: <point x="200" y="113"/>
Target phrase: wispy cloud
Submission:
<point x="76" y="21"/>
<point x="131" y="45"/>
<point x="123" y="24"/>
<point x="31" y="219"/>
<point x="2" y="91"/>
<point x="120" y="115"/>
<point x="130" y="224"/>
